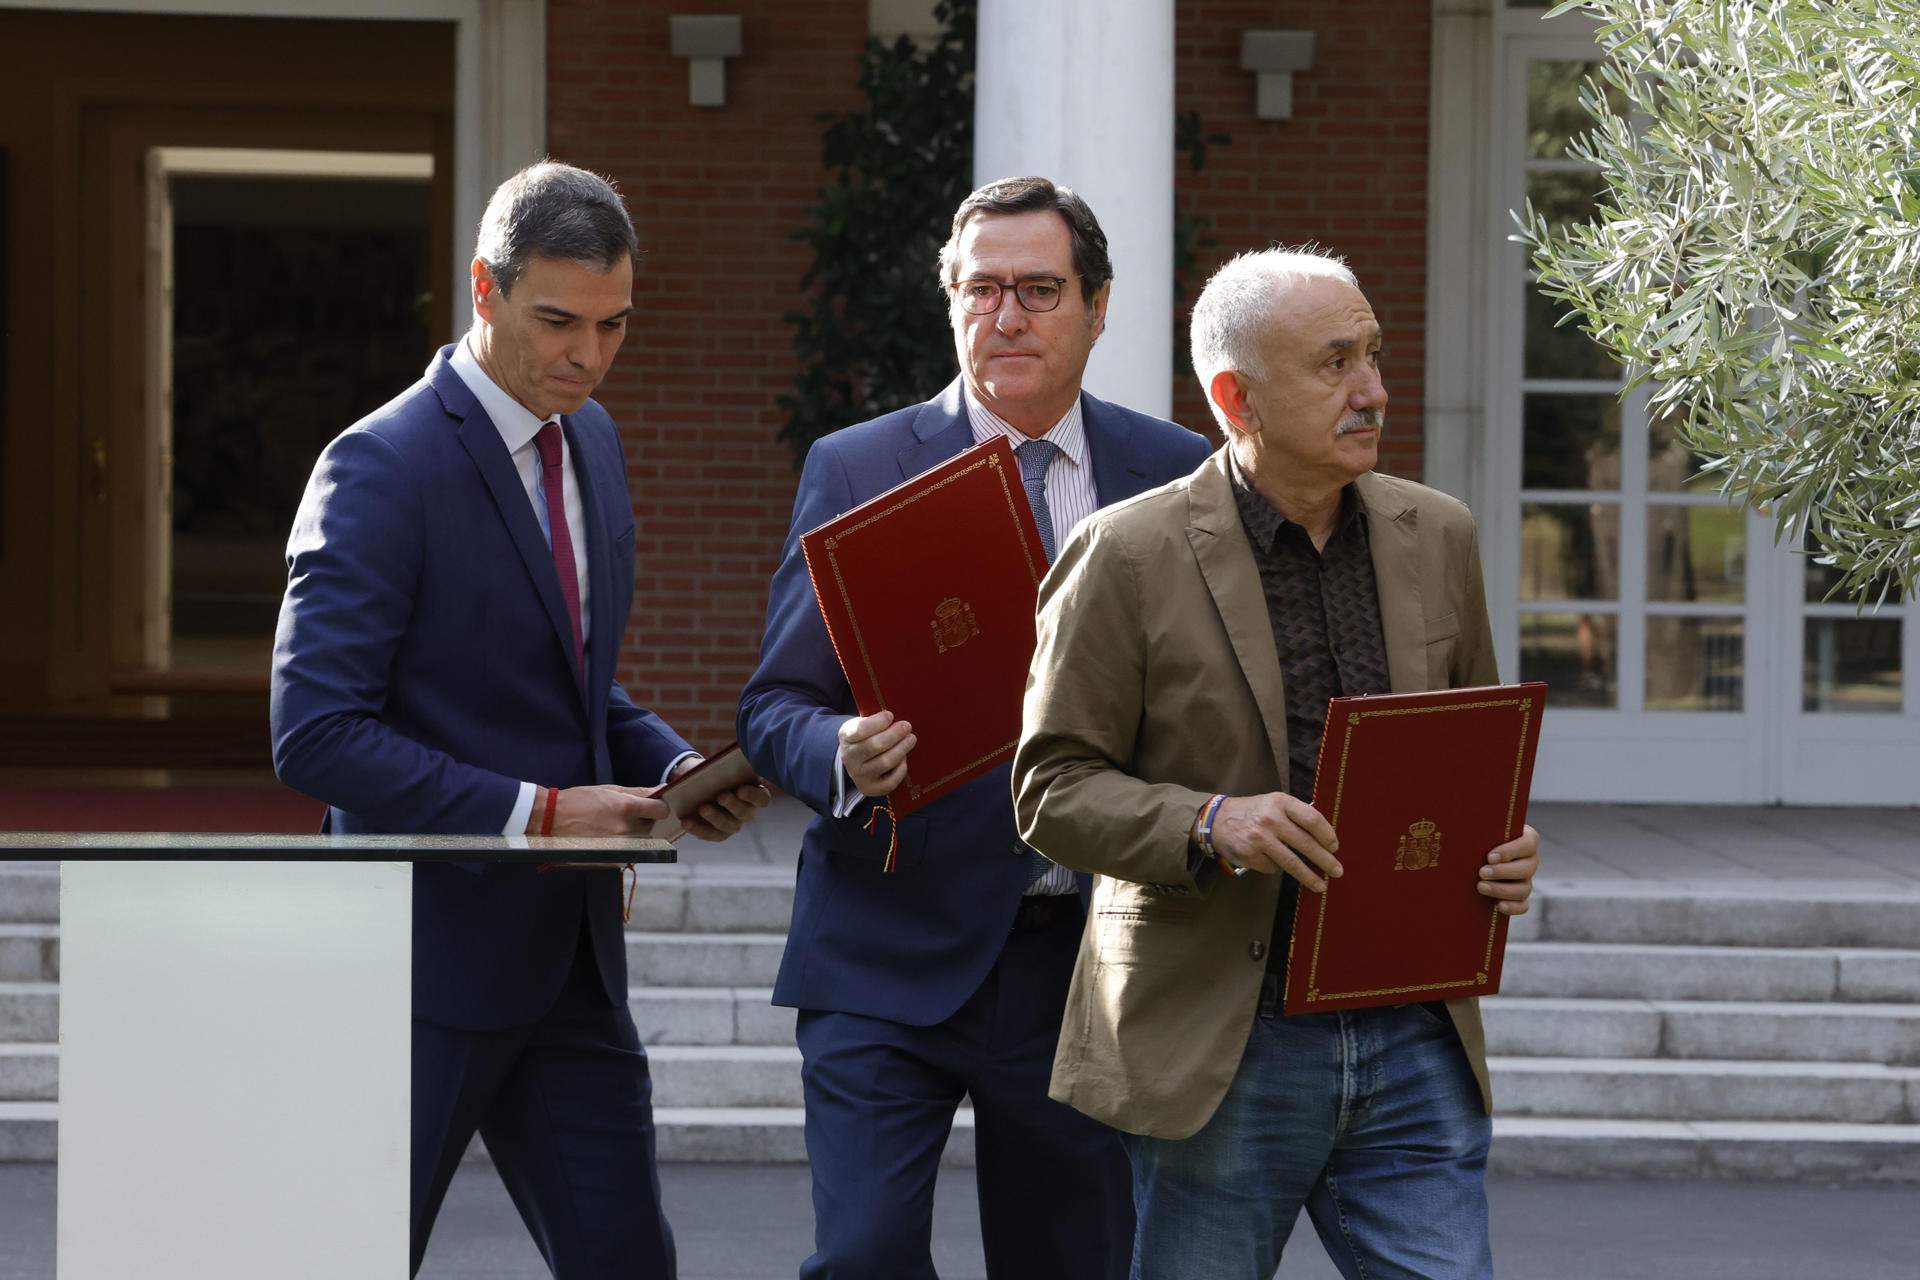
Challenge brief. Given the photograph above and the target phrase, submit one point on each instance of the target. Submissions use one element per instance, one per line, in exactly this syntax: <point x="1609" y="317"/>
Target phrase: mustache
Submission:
<point x="1361" y="420"/>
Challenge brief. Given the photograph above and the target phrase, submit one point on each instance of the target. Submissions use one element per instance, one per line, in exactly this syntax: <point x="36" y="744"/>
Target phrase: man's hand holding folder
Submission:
<point x="1279" y="834"/>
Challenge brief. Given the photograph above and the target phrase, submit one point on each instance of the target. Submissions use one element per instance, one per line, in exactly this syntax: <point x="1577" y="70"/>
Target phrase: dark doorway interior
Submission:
<point x="299" y="304"/>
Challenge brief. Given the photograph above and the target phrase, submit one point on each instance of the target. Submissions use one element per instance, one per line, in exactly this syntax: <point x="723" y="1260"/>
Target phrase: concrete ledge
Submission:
<point x="29" y="1131"/>
<point x="30" y="893"/>
<point x="29" y="1012"/>
<point x="1708" y="1149"/>
<point x="1705" y="1090"/>
<point x="1747" y="915"/>
<point x="703" y="960"/>
<point x="29" y="1072"/>
<point x="29" y="952"/>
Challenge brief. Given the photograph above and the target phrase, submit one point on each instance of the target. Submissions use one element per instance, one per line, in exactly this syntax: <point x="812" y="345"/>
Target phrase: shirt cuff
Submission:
<point x="667" y="775"/>
<point x="522" y="810"/>
<point x="846" y="796"/>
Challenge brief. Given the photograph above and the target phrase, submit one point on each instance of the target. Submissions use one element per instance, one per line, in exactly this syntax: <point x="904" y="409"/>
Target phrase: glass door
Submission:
<point x="1688" y="658"/>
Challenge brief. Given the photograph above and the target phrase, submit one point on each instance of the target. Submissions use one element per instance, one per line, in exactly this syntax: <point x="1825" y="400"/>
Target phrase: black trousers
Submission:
<point x="565" y="1105"/>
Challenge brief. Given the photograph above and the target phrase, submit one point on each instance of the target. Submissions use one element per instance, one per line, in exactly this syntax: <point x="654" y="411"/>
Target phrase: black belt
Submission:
<point x="1043" y="911"/>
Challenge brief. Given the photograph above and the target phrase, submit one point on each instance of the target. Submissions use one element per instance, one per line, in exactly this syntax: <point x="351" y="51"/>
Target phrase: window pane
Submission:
<point x="1822" y="579"/>
<point x="1574" y="653"/>
<point x="1852" y="664"/>
<point x="1562" y="352"/>
<point x="1671" y="466"/>
<point x="1695" y="664"/>
<point x="1570" y="442"/>
<point x="1554" y="113"/>
<point x="1561" y="198"/>
<point x="1569" y="551"/>
<point x="1696" y="553"/>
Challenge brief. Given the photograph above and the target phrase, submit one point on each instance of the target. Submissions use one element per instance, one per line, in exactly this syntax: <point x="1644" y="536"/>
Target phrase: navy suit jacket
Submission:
<point x="913" y="944"/>
<point x="423" y="669"/>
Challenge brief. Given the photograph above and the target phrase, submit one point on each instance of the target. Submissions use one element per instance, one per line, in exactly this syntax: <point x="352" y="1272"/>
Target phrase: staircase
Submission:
<point x="1669" y="1031"/>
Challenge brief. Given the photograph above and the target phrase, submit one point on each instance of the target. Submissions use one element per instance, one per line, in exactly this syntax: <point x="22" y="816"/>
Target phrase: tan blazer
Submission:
<point x="1154" y="685"/>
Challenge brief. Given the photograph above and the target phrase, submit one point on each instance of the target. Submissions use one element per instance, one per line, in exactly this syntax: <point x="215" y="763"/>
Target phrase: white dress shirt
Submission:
<point x="1071" y="498"/>
<point x="517" y="426"/>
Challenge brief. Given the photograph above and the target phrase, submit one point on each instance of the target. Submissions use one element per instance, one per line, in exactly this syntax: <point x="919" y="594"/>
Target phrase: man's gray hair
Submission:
<point x="1232" y="315"/>
<point x="553" y="210"/>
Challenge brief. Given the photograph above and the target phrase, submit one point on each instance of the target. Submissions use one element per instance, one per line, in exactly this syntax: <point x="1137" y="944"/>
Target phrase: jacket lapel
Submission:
<point x="604" y="639"/>
<point x="1219" y="543"/>
<point x="1117" y="473"/>
<point x="941" y="429"/>
<point x="481" y="440"/>
<point x="1393" y="534"/>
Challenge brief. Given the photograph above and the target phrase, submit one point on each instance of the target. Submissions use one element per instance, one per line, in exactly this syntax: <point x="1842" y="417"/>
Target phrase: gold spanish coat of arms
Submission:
<point x="953" y="623"/>
<point x="1419" y="847"/>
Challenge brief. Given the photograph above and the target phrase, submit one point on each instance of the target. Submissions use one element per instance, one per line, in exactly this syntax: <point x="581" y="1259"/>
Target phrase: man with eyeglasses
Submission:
<point x="946" y="978"/>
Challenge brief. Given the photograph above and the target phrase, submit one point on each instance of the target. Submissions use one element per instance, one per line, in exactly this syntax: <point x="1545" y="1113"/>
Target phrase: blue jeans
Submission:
<point x="1369" y="1118"/>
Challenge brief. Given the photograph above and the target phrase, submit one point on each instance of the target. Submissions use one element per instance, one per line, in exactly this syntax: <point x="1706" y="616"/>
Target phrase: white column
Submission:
<point x="1081" y="91"/>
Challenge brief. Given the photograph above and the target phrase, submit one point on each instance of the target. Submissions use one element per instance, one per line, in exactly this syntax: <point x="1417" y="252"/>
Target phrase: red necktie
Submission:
<point x="551" y="483"/>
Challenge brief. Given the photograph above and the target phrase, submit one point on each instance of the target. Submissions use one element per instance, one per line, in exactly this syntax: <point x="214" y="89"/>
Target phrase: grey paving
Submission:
<point x="755" y="1223"/>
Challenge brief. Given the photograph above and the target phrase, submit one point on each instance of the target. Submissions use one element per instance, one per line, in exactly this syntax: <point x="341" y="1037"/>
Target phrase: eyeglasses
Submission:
<point x="981" y="297"/>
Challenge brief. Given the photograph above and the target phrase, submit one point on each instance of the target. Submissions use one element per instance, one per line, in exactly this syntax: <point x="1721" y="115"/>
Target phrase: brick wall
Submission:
<point x="716" y="193"/>
<point x="1349" y="170"/>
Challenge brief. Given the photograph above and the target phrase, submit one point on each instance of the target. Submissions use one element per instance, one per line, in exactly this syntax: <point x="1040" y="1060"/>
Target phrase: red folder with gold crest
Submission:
<point x="928" y="594"/>
<point x="1418" y="787"/>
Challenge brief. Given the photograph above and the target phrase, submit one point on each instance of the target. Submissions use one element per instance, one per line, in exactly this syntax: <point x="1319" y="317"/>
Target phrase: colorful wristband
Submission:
<point x="553" y="799"/>
<point x="1206" y="838"/>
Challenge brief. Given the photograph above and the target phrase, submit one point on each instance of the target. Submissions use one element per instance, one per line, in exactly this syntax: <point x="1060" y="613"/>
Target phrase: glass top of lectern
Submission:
<point x="205" y="846"/>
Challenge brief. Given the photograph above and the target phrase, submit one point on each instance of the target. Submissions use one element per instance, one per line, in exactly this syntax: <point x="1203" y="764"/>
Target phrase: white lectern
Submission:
<point x="234" y="1047"/>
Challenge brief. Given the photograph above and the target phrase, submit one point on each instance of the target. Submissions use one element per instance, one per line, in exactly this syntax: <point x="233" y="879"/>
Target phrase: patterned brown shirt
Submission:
<point x="1324" y="607"/>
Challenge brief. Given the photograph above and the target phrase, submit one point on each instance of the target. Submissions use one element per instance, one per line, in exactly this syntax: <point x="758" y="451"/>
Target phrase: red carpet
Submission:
<point x="264" y="808"/>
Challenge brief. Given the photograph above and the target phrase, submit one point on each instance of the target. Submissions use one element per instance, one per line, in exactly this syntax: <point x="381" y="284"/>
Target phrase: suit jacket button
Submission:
<point x="1256" y="951"/>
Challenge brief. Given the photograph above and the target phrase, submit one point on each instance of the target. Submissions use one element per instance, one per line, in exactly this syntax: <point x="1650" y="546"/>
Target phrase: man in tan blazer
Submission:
<point x="1188" y="641"/>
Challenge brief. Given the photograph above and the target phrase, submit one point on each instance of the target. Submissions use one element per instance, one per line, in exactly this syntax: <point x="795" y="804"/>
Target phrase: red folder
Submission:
<point x="1418" y="787"/>
<point x="928" y="593"/>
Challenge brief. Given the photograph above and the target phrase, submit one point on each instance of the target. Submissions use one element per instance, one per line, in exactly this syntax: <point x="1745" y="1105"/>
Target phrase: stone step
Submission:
<point x="1663" y="972"/>
<point x="1521" y="1026"/>
<point x="29" y="1072"/>
<point x="709" y="1015"/>
<point x="1665" y="1089"/>
<point x="755" y="1076"/>
<point x="29" y="893"/>
<point x="1522" y="1146"/>
<point x="1767" y="1151"/>
<point x="29" y="952"/>
<point x="693" y="900"/>
<point x="1707" y="915"/>
<point x="703" y="959"/>
<point x="29" y="1012"/>
<point x="729" y="1075"/>
<point x="28" y="1131"/>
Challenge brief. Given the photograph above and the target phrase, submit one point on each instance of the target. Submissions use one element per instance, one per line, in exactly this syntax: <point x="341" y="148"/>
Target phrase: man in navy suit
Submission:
<point x="459" y="576"/>
<point x="946" y="977"/>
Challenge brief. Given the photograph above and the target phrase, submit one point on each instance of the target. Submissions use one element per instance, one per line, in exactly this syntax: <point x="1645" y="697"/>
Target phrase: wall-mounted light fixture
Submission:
<point x="708" y="40"/>
<point x="1274" y="56"/>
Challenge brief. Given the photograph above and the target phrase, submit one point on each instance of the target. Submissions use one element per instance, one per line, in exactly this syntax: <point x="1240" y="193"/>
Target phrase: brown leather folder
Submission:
<point x="928" y="593"/>
<point x="724" y="771"/>
<point x="1418" y="787"/>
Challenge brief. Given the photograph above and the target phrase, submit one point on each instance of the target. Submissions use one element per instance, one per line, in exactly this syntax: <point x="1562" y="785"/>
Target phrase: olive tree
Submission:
<point x="1756" y="259"/>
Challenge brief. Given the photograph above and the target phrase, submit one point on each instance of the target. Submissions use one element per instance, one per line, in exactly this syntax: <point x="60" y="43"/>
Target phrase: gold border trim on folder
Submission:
<point x="1314" y="994"/>
<point x="831" y="544"/>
